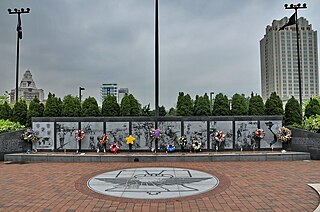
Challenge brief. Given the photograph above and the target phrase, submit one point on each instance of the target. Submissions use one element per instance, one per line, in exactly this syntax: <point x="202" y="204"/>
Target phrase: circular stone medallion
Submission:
<point x="153" y="183"/>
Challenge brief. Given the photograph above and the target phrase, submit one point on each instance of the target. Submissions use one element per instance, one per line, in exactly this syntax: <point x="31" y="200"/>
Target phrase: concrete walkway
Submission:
<point x="243" y="186"/>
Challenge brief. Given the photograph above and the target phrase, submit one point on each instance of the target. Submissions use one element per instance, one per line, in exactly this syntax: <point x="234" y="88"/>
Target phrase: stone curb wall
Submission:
<point x="10" y="142"/>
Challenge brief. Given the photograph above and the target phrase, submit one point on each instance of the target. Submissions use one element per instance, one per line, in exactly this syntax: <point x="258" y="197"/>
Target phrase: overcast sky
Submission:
<point x="205" y="45"/>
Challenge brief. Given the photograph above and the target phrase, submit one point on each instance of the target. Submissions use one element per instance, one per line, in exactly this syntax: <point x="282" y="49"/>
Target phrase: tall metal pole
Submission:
<point x="156" y="67"/>
<point x="296" y="7"/>
<point x="80" y="89"/>
<point x="19" y="36"/>
<point x="157" y="59"/>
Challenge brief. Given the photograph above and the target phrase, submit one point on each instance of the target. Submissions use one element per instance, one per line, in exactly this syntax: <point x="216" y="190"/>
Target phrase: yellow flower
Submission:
<point x="130" y="139"/>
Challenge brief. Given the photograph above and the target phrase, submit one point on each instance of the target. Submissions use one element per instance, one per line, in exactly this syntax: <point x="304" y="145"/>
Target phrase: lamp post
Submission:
<point x="296" y="7"/>
<point x="156" y="54"/>
<point x="80" y="89"/>
<point x="211" y="97"/>
<point x="19" y="36"/>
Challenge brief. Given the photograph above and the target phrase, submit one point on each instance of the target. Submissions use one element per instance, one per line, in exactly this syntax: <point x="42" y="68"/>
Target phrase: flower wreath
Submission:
<point x="30" y="135"/>
<point x="182" y="141"/>
<point x="130" y="140"/>
<point x="219" y="136"/>
<point x="284" y="134"/>
<point x="155" y="133"/>
<point x="104" y="139"/>
<point x="114" y="148"/>
<point x="171" y="147"/>
<point x="260" y="133"/>
<point x="79" y="135"/>
<point x="196" y="145"/>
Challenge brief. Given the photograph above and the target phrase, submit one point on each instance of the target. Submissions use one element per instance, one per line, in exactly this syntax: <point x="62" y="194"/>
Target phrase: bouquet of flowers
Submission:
<point x="284" y="134"/>
<point x="219" y="136"/>
<point x="104" y="139"/>
<point x="114" y="148"/>
<point x="155" y="133"/>
<point x="196" y="145"/>
<point x="182" y="141"/>
<point x="30" y="135"/>
<point x="170" y="147"/>
<point x="79" y="135"/>
<point x="260" y="133"/>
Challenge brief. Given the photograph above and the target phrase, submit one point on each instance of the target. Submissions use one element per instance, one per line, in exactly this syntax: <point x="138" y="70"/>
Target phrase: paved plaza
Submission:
<point x="231" y="186"/>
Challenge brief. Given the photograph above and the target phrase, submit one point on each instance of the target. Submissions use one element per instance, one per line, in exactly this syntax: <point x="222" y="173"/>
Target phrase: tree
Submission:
<point x="71" y="106"/>
<point x="221" y="105"/>
<point x="145" y="111"/>
<point x="5" y="111"/>
<point x="292" y="112"/>
<point x="110" y="106"/>
<point x="19" y="112"/>
<point x="202" y="106"/>
<point x="35" y="110"/>
<point x="312" y="108"/>
<point x="53" y="107"/>
<point x="125" y="107"/>
<point x="172" y="112"/>
<point x="239" y="105"/>
<point x="274" y="105"/>
<point x="90" y="107"/>
<point x="162" y="111"/>
<point x="135" y="109"/>
<point x="256" y="106"/>
<point x="184" y="105"/>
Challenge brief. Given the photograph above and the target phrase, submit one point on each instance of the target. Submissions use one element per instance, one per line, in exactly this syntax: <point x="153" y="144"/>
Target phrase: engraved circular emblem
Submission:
<point x="153" y="183"/>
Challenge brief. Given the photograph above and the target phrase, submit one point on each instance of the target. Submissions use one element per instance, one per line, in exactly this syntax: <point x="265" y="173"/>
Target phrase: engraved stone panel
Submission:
<point x="141" y="131"/>
<point x="45" y="131"/>
<point x="226" y="127"/>
<point x="271" y="128"/>
<point x="196" y="130"/>
<point x="92" y="131"/>
<point x="171" y="131"/>
<point x="245" y="131"/>
<point x="66" y="138"/>
<point x="117" y="132"/>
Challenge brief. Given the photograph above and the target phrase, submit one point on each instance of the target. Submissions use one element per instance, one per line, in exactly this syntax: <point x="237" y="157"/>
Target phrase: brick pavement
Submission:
<point x="244" y="186"/>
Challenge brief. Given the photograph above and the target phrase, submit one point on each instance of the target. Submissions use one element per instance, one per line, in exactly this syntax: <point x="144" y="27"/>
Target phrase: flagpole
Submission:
<point x="156" y="67"/>
<point x="296" y="7"/>
<point x="19" y="36"/>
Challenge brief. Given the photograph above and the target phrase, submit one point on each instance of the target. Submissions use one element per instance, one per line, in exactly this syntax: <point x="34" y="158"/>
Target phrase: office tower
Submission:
<point x="279" y="60"/>
<point x="108" y="89"/>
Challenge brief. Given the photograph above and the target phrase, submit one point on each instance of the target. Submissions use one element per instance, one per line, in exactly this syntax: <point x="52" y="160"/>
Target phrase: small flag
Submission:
<point x="292" y="20"/>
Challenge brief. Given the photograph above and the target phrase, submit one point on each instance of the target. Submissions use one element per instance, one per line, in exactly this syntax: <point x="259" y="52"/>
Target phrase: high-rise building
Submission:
<point x="279" y="60"/>
<point x="108" y="89"/>
<point x="121" y="93"/>
<point x="27" y="90"/>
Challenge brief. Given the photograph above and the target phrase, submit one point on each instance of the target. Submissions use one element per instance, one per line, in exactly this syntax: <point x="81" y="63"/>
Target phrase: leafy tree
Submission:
<point x="135" y="109"/>
<point x="312" y="108"/>
<point x="125" y="107"/>
<point x="145" y="111"/>
<point x="256" y="106"/>
<point x="35" y="110"/>
<point x="172" y="112"/>
<point x="162" y="111"/>
<point x="19" y="112"/>
<point x="90" y="107"/>
<point x="53" y="107"/>
<point x="274" y="105"/>
<point x="71" y="106"/>
<point x="202" y="106"/>
<point x="292" y="114"/>
<point x="110" y="106"/>
<point x="5" y="111"/>
<point x="239" y="105"/>
<point x="184" y="105"/>
<point x="221" y="105"/>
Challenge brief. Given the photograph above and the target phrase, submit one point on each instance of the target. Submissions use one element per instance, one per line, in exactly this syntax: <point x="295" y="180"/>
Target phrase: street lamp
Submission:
<point x="80" y="89"/>
<point x="211" y="97"/>
<point x="296" y="7"/>
<point x="19" y="36"/>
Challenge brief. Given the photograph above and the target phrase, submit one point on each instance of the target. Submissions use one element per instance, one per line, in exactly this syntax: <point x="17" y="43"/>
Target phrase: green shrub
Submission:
<point x="312" y="123"/>
<point x="9" y="126"/>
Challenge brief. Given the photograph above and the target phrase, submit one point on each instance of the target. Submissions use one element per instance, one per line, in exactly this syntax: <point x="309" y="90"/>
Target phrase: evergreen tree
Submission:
<point x="71" y="106"/>
<point x="172" y="112"/>
<point x="135" y="106"/>
<point x="239" y="105"/>
<point x="5" y="111"/>
<point x="53" y="107"/>
<point x="274" y="105"/>
<point x="312" y="108"/>
<point x="221" y="105"/>
<point x="90" y="107"/>
<point x="292" y="114"/>
<point x="110" y="106"/>
<point x="184" y="105"/>
<point x="202" y="106"/>
<point x="256" y="106"/>
<point x="145" y="111"/>
<point x="35" y="110"/>
<point x="125" y="107"/>
<point x="19" y="112"/>
<point x="162" y="111"/>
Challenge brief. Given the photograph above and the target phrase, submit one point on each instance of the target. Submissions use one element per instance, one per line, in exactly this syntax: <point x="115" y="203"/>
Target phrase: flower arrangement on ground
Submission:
<point x="79" y="135"/>
<point x="155" y="133"/>
<point x="196" y="145"/>
<point x="182" y="141"/>
<point x="284" y="134"/>
<point x="259" y="133"/>
<point x="30" y="136"/>
<point x="219" y="138"/>
<point x="114" y="148"/>
<point x="170" y="147"/>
